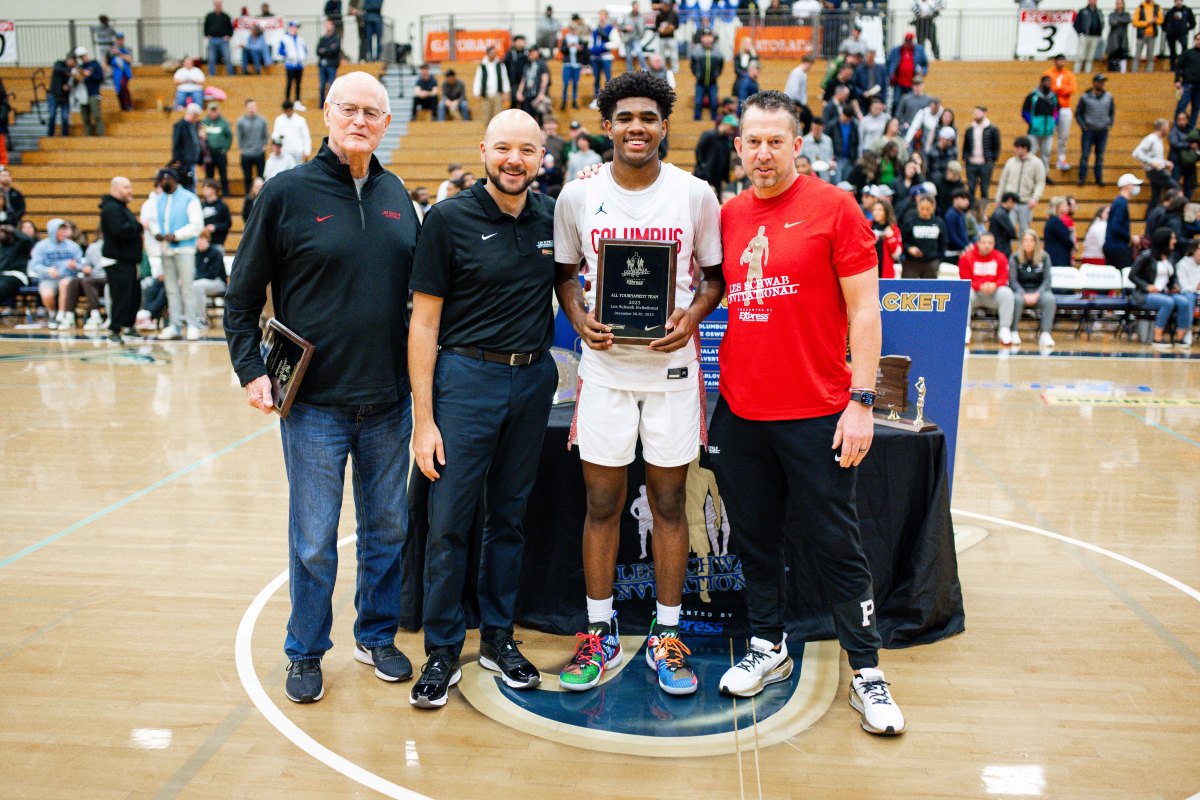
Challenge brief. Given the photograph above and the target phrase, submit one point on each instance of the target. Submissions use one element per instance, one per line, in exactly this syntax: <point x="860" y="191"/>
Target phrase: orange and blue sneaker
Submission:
<point x="596" y="651"/>
<point x="667" y="656"/>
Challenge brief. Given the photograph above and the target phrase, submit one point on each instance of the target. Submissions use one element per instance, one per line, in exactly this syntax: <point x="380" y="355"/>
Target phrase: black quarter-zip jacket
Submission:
<point x="338" y="267"/>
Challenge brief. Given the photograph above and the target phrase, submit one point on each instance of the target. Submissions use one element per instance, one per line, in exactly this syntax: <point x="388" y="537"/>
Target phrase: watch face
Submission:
<point x="866" y="398"/>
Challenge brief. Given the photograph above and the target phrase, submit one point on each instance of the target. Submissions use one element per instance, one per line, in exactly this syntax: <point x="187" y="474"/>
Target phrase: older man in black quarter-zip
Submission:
<point x="334" y="239"/>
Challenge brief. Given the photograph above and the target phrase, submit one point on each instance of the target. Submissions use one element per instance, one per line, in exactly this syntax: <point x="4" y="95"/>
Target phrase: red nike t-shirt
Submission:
<point x="784" y="352"/>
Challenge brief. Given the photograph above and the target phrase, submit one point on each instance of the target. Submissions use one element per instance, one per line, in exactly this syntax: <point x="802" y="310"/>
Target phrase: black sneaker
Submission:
<point x="115" y="338"/>
<point x="304" y="683"/>
<point x="390" y="664"/>
<point x="438" y="674"/>
<point x="501" y="655"/>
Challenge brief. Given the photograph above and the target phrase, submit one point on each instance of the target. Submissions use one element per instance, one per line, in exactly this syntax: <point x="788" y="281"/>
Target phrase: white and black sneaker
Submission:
<point x="762" y="665"/>
<point x="390" y="664"/>
<point x="437" y="676"/>
<point x="501" y="655"/>
<point x="870" y="697"/>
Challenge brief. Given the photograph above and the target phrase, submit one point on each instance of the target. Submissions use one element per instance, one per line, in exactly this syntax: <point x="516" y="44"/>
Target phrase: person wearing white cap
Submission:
<point x="294" y="52"/>
<point x="1117" y="251"/>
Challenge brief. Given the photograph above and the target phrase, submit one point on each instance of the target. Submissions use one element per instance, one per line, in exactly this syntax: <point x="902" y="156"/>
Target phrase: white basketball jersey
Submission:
<point x="678" y="208"/>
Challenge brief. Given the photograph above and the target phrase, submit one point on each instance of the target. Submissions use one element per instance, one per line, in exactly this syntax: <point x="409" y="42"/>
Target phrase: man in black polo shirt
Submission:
<point x="482" y="388"/>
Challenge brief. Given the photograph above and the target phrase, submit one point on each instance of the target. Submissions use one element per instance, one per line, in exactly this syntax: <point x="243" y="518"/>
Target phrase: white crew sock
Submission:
<point x="600" y="610"/>
<point x="668" y="615"/>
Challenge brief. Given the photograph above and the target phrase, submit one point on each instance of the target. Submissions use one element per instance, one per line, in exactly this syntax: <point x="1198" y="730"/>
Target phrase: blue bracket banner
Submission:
<point x="925" y="320"/>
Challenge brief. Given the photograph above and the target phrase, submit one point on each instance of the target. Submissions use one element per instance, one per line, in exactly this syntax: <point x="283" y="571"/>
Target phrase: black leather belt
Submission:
<point x="511" y="359"/>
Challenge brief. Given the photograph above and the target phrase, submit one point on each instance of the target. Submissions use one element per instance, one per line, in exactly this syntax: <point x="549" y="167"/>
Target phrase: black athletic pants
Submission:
<point x="779" y="480"/>
<point x="125" y="291"/>
<point x="249" y="165"/>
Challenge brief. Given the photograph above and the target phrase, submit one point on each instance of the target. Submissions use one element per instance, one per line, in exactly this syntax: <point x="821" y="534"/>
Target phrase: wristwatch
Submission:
<point x="864" y="396"/>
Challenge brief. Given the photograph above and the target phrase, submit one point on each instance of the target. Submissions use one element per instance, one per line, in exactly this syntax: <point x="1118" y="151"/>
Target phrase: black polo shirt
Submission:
<point x="494" y="272"/>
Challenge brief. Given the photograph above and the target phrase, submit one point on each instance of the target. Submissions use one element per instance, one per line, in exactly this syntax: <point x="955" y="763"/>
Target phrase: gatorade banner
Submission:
<point x="784" y="43"/>
<point x="468" y="45"/>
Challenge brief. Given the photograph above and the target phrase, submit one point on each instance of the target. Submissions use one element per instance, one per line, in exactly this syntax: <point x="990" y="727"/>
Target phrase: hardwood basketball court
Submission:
<point x="146" y="510"/>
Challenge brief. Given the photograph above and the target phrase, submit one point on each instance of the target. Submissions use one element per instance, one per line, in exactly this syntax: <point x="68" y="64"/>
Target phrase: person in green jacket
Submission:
<point x="218" y="138"/>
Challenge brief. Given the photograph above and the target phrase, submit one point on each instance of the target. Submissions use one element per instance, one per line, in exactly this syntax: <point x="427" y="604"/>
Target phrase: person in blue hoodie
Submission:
<point x="294" y="52"/>
<point x="56" y="262"/>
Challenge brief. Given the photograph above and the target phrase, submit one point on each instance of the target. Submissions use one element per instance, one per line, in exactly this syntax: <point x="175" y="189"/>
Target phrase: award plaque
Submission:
<point x="286" y="355"/>
<point x="891" y="396"/>
<point x="891" y="384"/>
<point x="635" y="288"/>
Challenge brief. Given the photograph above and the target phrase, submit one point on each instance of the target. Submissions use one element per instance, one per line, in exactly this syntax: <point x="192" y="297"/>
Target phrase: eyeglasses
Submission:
<point x="350" y="111"/>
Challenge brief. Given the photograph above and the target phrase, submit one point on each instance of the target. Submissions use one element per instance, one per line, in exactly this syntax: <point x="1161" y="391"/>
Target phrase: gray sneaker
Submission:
<point x="304" y="683"/>
<point x="390" y="664"/>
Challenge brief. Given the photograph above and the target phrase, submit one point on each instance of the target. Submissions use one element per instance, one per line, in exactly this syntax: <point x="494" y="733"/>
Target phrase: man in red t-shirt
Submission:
<point x="794" y="419"/>
<point x="987" y="270"/>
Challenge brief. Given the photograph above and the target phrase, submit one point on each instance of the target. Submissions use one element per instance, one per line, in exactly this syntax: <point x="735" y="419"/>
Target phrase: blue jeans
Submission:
<point x="1097" y="138"/>
<point x="711" y="92"/>
<point x="182" y="98"/>
<point x="328" y="76"/>
<point x="570" y="77"/>
<point x="1191" y="94"/>
<point x="461" y="106"/>
<point x="257" y="56"/>
<point x="55" y="107"/>
<point x="492" y="418"/>
<point x="1164" y="305"/>
<point x="601" y="66"/>
<point x="219" y="48"/>
<point x="374" y="32"/>
<point x="316" y="443"/>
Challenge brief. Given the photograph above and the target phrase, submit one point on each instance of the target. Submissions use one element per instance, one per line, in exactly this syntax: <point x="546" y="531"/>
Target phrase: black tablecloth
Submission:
<point x="904" y="510"/>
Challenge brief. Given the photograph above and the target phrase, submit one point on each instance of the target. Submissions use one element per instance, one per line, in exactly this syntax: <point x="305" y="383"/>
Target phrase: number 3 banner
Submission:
<point x="1045" y="34"/>
<point x="8" y="42"/>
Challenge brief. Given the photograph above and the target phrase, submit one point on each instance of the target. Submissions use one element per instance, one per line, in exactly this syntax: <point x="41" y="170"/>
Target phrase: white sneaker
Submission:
<point x="298" y="106"/>
<point x="169" y="332"/>
<point x="1045" y="339"/>
<point x="968" y="334"/>
<point x="1014" y="338"/>
<point x="870" y="697"/>
<point x="193" y="333"/>
<point x="1005" y="336"/>
<point x="761" y="666"/>
<point x="94" y="322"/>
<point x="594" y="105"/>
<point x="68" y="322"/>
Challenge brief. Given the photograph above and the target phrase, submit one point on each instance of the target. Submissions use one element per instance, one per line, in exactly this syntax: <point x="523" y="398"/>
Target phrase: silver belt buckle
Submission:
<point x="514" y="359"/>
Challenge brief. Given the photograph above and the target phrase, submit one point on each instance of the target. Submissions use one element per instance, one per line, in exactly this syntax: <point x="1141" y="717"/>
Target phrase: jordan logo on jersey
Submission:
<point x="600" y="210"/>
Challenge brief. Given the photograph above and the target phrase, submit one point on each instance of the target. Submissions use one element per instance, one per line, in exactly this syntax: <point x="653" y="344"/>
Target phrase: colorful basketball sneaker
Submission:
<point x="597" y="650"/>
<point x="667" y="656"/>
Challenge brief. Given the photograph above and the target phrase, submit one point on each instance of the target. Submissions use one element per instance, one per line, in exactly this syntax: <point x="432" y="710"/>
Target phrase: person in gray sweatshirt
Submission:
<point x="55" y="263"/>
<point x="1095" y="115"/>
<point x="871" y="126"/>
<point x="252" y="139"/>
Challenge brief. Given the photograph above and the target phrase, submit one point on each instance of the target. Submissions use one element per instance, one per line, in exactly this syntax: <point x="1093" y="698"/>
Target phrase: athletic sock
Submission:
<point x="600" y="610"/>
<point x="668" y="615"/>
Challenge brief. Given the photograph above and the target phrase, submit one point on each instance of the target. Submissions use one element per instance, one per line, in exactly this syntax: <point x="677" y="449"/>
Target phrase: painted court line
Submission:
<point x="140" y="493"/>
<point x="1162" y="428"/>
<point x="280" y="721"/>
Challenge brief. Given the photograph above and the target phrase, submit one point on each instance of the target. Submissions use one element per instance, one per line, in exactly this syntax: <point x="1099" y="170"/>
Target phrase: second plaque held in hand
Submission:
<point x="635" y="288"/>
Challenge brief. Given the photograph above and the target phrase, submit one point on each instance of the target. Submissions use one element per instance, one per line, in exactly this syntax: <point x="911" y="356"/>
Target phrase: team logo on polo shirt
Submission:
<point x="546" y="246"/>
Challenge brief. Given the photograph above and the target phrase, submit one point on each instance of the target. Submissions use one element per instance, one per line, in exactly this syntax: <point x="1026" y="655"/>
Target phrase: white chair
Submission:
<point x="1065" y="279"/>
<point x="948" y="271"/>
